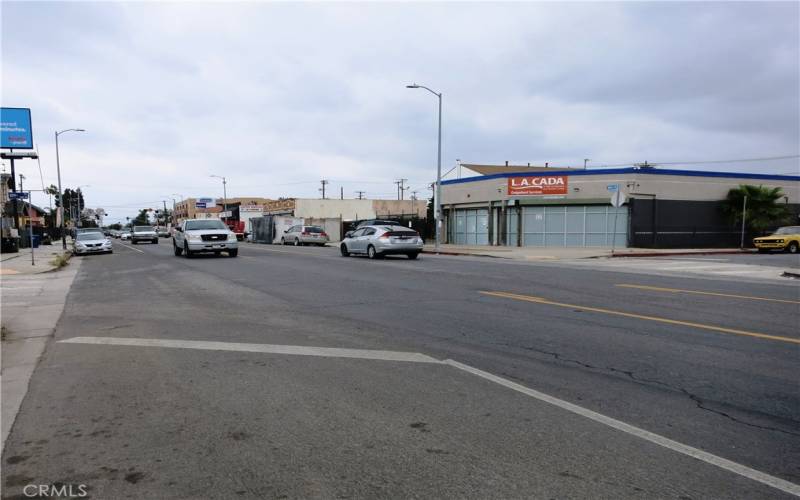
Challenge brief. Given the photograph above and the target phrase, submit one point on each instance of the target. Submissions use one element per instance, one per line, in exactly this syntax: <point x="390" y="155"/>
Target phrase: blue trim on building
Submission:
<point x="629" y="170"/>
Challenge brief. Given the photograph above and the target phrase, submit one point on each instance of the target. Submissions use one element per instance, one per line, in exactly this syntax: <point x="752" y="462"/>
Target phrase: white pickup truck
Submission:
<point x="204" y="235"/>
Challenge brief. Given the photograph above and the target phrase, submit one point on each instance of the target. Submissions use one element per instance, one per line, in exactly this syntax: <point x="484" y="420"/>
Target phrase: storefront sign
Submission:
<point x="537" y="186"/>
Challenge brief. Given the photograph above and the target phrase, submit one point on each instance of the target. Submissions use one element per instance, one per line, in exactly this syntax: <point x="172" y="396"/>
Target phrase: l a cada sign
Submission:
<point x="537" y="185"/>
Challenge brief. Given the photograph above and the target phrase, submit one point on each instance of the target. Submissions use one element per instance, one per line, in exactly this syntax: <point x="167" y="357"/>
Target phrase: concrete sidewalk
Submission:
<point x="558" y="253"/>
<point x="20" y="262"/>
<point x="31" y="305"/>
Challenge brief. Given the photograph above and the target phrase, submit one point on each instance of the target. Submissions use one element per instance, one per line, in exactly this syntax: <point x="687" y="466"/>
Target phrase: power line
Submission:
<point x="702" y="162"/>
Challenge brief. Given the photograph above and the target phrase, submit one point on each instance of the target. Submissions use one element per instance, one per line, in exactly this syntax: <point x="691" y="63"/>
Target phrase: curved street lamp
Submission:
<point x="437" y="212"/>
<point x="60" y="191"/>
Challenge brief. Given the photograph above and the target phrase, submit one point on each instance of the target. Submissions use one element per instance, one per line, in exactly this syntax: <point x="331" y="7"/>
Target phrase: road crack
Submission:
<point x="699" y="402"/>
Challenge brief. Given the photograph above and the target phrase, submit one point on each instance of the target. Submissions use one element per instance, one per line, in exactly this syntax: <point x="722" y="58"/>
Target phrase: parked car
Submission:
<point x="91" y="242"/>
<point x="784" y="238"/>
<point x="377" y="222"/>
<point x="304" y="235"/>
<point x="204" y="235"/>
<point x="378" y="241"/>
<point x="143" y="233"/>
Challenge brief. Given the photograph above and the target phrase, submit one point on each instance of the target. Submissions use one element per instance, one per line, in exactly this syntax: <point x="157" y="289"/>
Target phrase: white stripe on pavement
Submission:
<point x="656" y="439"/>
<point x="134" y="249"/>
<point x="742" y="470"/>
<point x="330" y="352"/>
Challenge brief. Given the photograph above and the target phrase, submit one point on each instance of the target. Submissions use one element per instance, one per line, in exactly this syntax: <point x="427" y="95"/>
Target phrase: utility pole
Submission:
<point x="414" y="195"/>
<point x="400" y="188"/>
<point x="341" y="193"/>
<point x="324" y="183"/>
<point x="360" y="194"/>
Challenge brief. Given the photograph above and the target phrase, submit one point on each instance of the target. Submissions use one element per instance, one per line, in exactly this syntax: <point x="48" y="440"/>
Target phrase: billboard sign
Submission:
<point x="15" y="128"/>
<point x="537" y="185"/>
<point x="203" y="202"/>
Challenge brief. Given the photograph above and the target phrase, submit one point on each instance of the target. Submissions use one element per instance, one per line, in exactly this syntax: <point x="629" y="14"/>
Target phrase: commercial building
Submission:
<point x="187" y="208"/>
<point x="538" y="206"/>
<point x="315" y="208"/>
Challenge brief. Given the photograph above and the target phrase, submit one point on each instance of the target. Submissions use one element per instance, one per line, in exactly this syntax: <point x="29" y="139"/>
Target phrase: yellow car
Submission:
<point x="785" y="238"/>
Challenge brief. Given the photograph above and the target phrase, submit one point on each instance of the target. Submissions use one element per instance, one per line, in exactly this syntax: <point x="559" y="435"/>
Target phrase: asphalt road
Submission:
<point x="207" y="411"/>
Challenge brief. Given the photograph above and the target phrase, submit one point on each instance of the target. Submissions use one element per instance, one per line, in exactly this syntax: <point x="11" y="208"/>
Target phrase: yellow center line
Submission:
<point x="698" y="292"/>
<point x="540" y="300"/>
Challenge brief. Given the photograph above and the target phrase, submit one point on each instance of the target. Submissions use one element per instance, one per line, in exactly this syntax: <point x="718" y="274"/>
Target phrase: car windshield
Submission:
<point x="205" y="224"/>
<point x="143" y="228"/>
<point x="313" y="229"/>
<point x="89" y="236"/>
<point x="788" y="230"/>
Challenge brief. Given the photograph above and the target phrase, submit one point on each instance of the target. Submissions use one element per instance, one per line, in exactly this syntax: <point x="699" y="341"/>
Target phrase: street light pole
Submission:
<point x="224" y="196"/>
<point x="437" y="207"/>
<point x="60" y="191"/>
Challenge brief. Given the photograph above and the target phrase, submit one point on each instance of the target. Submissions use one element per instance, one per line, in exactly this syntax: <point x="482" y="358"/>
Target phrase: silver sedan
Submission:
<point x="86" y="243"/>
<point x="377" y="241"/>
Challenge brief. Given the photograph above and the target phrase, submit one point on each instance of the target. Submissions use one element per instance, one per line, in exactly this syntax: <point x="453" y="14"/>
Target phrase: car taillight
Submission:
<point x="386" y="236"/>
<point x="305" y="233"/>
<point x="323" y="233"/>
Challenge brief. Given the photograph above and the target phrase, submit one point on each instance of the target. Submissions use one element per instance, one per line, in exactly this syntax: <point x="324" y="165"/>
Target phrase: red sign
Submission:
<point x="550" y="184"/>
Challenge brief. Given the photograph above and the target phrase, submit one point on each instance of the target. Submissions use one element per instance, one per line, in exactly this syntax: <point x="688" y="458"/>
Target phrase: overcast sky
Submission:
<point x="277" y="96"/>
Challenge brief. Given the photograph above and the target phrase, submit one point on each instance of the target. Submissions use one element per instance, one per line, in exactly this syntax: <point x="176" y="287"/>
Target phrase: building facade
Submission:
<point x="570" y="207"/>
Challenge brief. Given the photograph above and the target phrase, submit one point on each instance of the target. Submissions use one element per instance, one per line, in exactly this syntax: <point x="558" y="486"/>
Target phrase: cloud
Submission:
<point x="277" y="96"/>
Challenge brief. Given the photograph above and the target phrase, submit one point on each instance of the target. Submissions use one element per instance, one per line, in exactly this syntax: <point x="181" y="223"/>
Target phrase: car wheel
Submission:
<point x="413" y="255"/>
<point x="217" y="254"/>
<point x="186" y="251"/>
<point x="793" y="247"/>
<point x="372" y="253"/>
<point x="283" y="242"/>
<point x="344" y="251"/>
<point x="155" y="241"/>
<point x="233" y="253"/>
<point x="297" y="242"/>
<point x="178" y="250"/>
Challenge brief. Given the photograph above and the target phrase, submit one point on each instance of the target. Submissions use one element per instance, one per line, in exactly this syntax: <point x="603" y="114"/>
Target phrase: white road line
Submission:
<point x="134" y="249"/>
<point x="742" y="470"/>
<point x="330" y="352"/>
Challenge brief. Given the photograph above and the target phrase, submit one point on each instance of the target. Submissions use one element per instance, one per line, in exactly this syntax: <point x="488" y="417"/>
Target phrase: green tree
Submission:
<point x="143" y="219"/>
<point x="116" y="226"/>
<point x="765" y="207"/>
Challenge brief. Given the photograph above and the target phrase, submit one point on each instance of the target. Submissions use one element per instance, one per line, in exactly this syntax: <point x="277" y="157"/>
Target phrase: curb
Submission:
<point x="790" y="274"/>
<point x="666" y="254"/>
<point x="444" y="252"/>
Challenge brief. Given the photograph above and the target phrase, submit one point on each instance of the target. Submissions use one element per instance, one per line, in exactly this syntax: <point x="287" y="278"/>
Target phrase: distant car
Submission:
<point x="125" y="235"/>
<point x="204" y="235"/>
<point x="91" y="242"/>
<point x="304" y="235"/>
<point x="143" y="233"/>
<point x="377" y="222"/>
<point x="162" y="232"/>
<point x="784" y="238"/>
<point x="377" y="241"/>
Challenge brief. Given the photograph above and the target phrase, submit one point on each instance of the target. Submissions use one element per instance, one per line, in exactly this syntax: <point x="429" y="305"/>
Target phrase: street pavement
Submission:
<point x="295" y="373"/>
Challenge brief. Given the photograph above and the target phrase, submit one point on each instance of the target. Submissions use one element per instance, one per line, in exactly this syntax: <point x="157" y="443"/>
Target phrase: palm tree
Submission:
<point x="763" y="208"/>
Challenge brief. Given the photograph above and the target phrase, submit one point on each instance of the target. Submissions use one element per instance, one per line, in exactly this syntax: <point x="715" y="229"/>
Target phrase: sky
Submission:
<point x="278" y="96"/>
